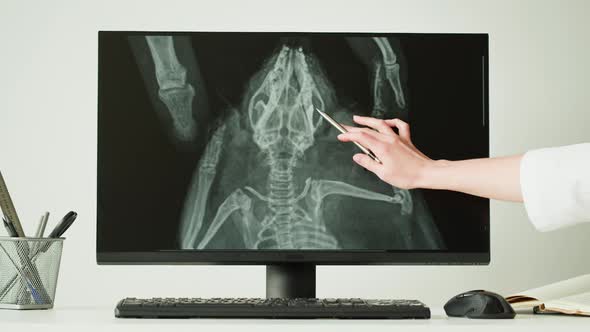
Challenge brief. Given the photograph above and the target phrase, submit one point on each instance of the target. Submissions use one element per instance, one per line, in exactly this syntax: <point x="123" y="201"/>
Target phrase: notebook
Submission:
<point x="571" y="297"/>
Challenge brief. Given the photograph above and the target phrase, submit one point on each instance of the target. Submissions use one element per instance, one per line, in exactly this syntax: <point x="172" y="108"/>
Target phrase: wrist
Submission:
<point x="431" y="173"/>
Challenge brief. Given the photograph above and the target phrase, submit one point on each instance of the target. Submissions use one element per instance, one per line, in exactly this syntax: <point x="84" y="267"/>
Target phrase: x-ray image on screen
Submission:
<point x="268" y="170"/>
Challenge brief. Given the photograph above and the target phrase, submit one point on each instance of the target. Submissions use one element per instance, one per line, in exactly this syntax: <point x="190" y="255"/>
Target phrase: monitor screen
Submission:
<point x="210" y="148"/>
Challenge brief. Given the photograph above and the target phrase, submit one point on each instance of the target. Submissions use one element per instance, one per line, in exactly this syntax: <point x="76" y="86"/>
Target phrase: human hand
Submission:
<point x="402" y="164"/>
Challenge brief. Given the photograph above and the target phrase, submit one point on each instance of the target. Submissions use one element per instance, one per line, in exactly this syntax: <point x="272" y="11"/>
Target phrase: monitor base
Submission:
<point x="290" y="280"/>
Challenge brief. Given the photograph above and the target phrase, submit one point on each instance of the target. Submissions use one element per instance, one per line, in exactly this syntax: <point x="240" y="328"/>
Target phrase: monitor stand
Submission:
<point x="290" y="280"/>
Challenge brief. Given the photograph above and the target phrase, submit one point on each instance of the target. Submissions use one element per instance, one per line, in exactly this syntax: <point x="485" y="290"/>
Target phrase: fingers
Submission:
<point x="370" y="132"/>
<point x="350" y="128"/>
<point x="364" y="138"/>
<point x="404" y="133"/>
<point x="376" y="124"/>
<point x="402" y="127"/>
<point x="367" y="162"/>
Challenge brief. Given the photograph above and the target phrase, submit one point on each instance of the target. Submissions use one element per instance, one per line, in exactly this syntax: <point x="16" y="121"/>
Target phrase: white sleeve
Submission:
<point x="555" y="184"/>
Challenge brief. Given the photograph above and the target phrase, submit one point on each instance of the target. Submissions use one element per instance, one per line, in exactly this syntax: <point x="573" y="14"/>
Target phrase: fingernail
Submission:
<point x="340" y="136"/>
<point x="356" y="157"/>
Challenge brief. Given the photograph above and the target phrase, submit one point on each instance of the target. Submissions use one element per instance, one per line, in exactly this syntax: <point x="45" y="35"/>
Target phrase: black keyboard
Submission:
<point x="269" y="308"/>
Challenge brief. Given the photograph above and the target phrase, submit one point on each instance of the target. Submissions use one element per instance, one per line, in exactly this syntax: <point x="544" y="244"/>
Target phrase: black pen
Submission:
<point x="63" y="225"/>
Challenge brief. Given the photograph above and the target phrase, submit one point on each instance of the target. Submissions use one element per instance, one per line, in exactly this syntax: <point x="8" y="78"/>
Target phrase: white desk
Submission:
<point x="88" y="319"/>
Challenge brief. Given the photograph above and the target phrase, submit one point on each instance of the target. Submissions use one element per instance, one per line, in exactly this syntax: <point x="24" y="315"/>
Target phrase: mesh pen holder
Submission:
<point x="28" y="272"/>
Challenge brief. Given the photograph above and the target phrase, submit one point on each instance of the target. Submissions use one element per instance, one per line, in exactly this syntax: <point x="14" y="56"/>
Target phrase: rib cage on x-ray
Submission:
<point x="272" y="175"/>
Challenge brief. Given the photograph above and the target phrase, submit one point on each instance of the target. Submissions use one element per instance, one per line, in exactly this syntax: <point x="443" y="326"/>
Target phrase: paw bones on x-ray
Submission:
<point x="390" y="69"/>
<point x="200" y="187"/>
<point x="173" y="91"/>
<point x="387" y="69"/>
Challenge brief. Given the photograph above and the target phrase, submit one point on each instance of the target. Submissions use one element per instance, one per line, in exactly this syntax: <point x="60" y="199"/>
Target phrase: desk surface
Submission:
<point x="102" y="319"/>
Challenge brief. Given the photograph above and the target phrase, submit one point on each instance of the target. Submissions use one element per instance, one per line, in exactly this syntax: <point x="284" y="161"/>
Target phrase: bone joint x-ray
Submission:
<point x="254" y="165"/>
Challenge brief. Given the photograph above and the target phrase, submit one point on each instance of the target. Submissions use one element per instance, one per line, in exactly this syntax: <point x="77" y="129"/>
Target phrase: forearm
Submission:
<point x="495" y="178"/>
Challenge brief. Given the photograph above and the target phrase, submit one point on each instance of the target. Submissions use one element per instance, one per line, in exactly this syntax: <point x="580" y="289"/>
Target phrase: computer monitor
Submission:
<point x="210" y="151"/>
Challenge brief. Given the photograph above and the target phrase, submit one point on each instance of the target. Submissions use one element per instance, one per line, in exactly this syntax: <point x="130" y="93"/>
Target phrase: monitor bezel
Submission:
<point x="319" y="257"/>
<point x="264" y="257"/>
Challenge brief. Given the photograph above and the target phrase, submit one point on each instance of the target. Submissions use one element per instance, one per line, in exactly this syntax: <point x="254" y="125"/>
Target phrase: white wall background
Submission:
<point x="539" y="79"/>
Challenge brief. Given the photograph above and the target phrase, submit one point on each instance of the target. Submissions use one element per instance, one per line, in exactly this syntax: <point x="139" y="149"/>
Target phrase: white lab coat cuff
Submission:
<point x="555" y="186"/>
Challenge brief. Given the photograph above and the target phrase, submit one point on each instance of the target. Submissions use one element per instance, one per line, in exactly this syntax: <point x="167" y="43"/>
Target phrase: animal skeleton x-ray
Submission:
<point x="272" y="174"/>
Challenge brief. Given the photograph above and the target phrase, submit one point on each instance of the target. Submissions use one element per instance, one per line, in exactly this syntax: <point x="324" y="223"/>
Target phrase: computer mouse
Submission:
<point x="479" y="304"/>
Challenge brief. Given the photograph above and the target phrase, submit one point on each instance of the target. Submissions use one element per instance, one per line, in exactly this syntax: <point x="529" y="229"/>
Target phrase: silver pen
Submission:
<point x="343" y="130"/>
<point x="42" y="224"/>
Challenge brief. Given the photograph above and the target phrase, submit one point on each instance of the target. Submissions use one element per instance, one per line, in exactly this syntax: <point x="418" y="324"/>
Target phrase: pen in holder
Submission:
<point x="29" y="268"/>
